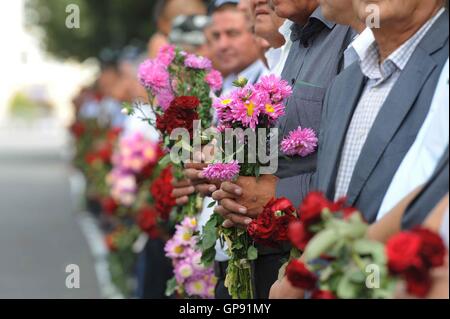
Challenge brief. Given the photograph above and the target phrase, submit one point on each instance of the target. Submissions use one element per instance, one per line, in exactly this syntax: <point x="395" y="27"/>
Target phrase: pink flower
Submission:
<point x="214" y="80"/>
<point x="197" y="62"/>
<point x="223" y="109"/>
<point x="166" y="55"/>
<point x="153" y="75"/>
<point x="164" y="98"/>
<point x="222" y="171"/>
<point x="245" y="108"/>
<point x="301" y="142"/>
<point x="277" y="89"/>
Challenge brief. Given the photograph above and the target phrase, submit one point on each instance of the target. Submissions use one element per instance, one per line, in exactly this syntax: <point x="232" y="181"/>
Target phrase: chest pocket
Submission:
<point x="304" y="109"/>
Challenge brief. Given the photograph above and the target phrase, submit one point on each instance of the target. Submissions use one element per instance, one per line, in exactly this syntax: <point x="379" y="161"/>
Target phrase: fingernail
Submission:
<point x="238" y="191"/>
<point x="243" y="210"/>
<point x="212" y="188"/>
<point x="200" y="175"/>
<point x="248" y="221"/>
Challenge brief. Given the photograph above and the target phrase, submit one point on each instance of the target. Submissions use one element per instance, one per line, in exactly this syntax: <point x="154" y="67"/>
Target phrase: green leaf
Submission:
<point x="252" y="253"/>
<point x="171" y="286"/>
<point x="208" y="256"/>
<point x="163" y="162"/>
<point x="320" y="244"/>
<point x="346" y="289"/>
<point x="212" y="204"/>
<point x="372" y="248"/>
<point x="282" y="271"/>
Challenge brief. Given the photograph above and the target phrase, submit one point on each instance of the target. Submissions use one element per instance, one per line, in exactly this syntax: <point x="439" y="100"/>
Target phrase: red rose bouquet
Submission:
<point x="340" y="262"/>
<point x="411" y="256"/>
<point x="270" y="228"/>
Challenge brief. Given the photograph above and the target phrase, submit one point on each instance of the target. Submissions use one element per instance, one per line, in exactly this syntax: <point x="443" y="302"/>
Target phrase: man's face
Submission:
<point x="337" y="10"/>
<point x="390" y="10"/>
<point x="107" y="80"/>
<point x="232" y="43"/>
<point x="266" y="21"/>
<point x="289" y="9"/>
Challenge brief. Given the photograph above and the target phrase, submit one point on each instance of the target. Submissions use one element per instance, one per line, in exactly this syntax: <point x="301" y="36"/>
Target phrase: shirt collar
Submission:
<point x="370" y="63"/>
<point x="315" y="24"/>
<point x="362" y="42"/>
<point x="285" y="29"/>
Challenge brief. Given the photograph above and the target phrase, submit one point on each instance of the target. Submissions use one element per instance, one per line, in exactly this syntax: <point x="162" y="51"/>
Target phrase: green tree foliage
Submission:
<point x="105" y="25"/>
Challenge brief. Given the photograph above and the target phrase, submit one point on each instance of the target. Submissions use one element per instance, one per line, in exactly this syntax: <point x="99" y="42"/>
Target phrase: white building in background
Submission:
<point x="24" y="66"/>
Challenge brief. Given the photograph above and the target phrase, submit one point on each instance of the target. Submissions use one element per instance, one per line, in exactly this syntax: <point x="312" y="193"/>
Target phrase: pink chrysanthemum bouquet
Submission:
<point x="253" y="107"/>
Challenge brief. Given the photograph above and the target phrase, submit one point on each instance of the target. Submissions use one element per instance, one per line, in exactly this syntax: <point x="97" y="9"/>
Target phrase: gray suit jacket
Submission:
<point x="310" y="70"/>
<point x="394" y="130"/>
<point x="433" y="192"/>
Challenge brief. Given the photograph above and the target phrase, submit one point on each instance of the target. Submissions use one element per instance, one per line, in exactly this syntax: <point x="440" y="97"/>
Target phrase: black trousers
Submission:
<point x="156" y="270"/>
<point x="220" y="270"/>
<point x="265" y="270"/>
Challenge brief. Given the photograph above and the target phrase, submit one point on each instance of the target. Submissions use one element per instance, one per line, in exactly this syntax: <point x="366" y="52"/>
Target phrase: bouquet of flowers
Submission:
<point x="179" y="86"/>
<point x="138" y="185"/>
<point x="340" y="262"/>
<point x="411" y="255"/>
<point x="97" y="162"/>
<point x="191" y="277"/>
<point x="121" y="257"/>
<point x="251" y="107"/>
<point x="134" y="161"/>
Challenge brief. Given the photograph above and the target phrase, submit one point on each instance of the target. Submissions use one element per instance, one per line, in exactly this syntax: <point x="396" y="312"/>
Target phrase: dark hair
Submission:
<point x="224" y="7"/>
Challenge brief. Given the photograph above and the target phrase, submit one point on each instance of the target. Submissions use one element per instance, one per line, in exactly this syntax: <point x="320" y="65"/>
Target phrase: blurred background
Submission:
<point x="61" y="61"/>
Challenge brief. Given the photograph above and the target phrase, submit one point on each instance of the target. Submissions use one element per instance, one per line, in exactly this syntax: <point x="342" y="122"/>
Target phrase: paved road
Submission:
<point x="39" y="233"/>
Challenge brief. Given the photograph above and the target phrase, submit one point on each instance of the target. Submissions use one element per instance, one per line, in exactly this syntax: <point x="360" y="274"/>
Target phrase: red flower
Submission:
<point x="418" y="282"/>
<point x="109" y="205"/>
<point x="180" y="114"/>
<point x="282" y="205"/>
<point x="161" y="191"/>
<point x="91" y="158"/>
<point x="412" y="254"/>
<point x="110" y="242"/>
<point x="271" y="226"/>
<point x="148" y="221"/>
<point x="105" y="153"/>
<point x="313" y="205"/>
<point x="403" y="252"/>
<point x="299" y="235"/>
<point x="113" y="134"/>
<point x="78" y="129"/>
<point x="433" y="249"/>
<point x="262" y="228"/>
<point x="323" y="294"/>
<point x="300" y="276"/>
<point x="147" y="171"/>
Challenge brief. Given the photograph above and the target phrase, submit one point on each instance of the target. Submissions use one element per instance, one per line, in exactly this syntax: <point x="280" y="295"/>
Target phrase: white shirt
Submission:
<point x="135" y="124"/>
<point x="422" y="158"/>
<point x="276" y="57"/>
<point x="357" y="50"/>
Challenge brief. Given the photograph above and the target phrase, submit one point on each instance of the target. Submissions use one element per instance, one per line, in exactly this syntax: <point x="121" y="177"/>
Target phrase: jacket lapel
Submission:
<point x="398" y="105"/>
<point x="338" y="122"/>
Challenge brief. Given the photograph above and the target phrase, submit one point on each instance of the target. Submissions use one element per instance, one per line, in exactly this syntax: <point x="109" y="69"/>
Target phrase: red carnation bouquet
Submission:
<point x="178" y="86"/>
<point x="340" y="262"/>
